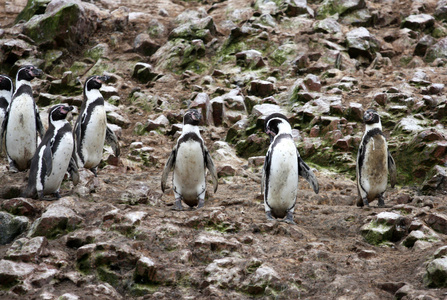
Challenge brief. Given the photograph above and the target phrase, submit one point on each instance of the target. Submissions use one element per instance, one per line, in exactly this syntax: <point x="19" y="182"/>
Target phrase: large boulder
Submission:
<point x="361" y="43"/>
<point x="11" y="226"/>
<point x="331" y="7"/>
<point x="64" y="24"/>
<point x="438" y="50"/>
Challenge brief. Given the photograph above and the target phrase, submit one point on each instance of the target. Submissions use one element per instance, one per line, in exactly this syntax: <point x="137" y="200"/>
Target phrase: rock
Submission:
<point x="361" y="43"/>
<point x="328" y="25"/>
<point x="203" y="103"/>
<point x="28" y="250"/>
<point x="161" y="122"/>
<point x="251" y="59"/>
<point x="419" y="235"/>
<point x="115" y="118"/>
<point x="418" y="22"/>
<point x="215" y="242"/>
<point x="264" y="110"/>
<point x="438" y="222"/>
<point x="355" y="112"/>
<point x="12" y="273"/>
<point x="63" y="25"/>
<point x="19" y="206"/>
<point x="263" y="277"/>
<point x="145" y="270"/>
<point x="435" y="179"/>
<point x="203" y="29"/>
<point x="436" y="273"/>
<point x="384" y="228"/>
<point x="423" y="44"/>
<point x="144" y="72"/>
<point x="441" y="10"/>
<point x="332" y="7"/>
<point x="218" y="110"/>
<point x="55" y="221"/>
<point x="143" y="44"/>
<point x="224" y="273"/>
<point x="293" y="8"/>
<point x="437" y="50"/>
<point x="33" y="7"/>
<point x="11" y="226"/>
<point x="261" y="88"/>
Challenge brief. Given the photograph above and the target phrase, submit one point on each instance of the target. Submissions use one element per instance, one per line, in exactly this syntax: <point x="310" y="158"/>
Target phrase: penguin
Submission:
<point x="374" y="162"/>
<point x="22" y="122"/>
<point x="189" y="160"/>
<point x="282" y="166"/>
<point x="6" y="92"/>
<point x="91" y="130"/>
<point x="52" y="158"/>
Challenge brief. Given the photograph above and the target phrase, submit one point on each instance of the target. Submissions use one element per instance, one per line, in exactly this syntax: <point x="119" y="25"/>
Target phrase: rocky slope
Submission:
<point x="323" y="63"/>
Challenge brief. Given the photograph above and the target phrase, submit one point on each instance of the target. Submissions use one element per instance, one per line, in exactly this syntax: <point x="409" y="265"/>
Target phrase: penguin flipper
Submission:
<point x="112" y="140"/>
<point x="168" y="167"/>
<point x="47" y="159"/>
<point x="392" y="170"/>
<point x="39" y="125"/>
<point x="77" y="135"/>
<point x="267" y="164"/>
<point x="3" y="130"/>
<point x="306" y="172"/>
<point x="73" y="170"/>
<point x="210" y="165"/>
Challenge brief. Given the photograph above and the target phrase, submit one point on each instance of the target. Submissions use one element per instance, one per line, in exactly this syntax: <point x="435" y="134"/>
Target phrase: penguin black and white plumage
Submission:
<point x="52" y="158"/>
<point x="6" y="92"/>
<point x="374" y="162"/>
<point x="22" y="122"/>
<point x="189" y="160"/>
<point x="91" y="129"/>
<point x="282" y="166"/>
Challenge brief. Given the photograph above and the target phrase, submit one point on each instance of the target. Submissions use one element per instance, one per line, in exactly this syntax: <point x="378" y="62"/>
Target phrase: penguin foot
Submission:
<point x="178" y="205"/>
<point x="381" y="201"/>
<point x="95" y="171"/>
<point x="365" y="202"/>
<point x="289" y="218"/>
<point x="269" y="216"/>
<point x="201" y="203"/>
<point x="13" y="168"/>
<point x="57" y="195"/>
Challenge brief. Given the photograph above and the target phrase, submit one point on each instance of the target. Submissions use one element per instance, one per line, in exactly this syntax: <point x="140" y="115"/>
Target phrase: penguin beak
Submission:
<point x="35" y="72"/>
<point x="66" y="109"/>
<point x="103" y="78"/>
<point x="196" y="116"/>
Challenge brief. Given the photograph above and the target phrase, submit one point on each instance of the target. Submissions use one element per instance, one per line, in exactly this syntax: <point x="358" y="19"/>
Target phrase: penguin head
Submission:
<point x="6" y="84"/>
<point x="28" y="73"/>
<point x="275" y="123"/>
<point x="95" y="82"/>
<point x="59" y="112"/>
<point x="192" y="117"/>
<point x="371" y="117"/>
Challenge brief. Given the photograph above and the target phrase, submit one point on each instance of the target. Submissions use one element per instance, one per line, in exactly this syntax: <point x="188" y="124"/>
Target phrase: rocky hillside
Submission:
<point x="322" y="63"/>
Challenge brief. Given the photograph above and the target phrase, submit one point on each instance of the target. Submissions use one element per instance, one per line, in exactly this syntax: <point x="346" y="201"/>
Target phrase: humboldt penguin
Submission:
<point x="189" y="160"/>
<point x="91" y="130"/>
<point x="22" y="122"/>
<point x="374" y="162"/>
<point x="282" y="166"/>
<point x="52" y="158"/>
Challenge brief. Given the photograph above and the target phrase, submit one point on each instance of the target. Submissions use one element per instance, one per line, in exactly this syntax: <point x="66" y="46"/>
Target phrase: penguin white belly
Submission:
<point x="374" y="172"/>
<point x="283" y="178"/>
<point x="21" y="131"/>
<point x="189" y="172"/>
<point x="61" y="159"/>
<point x="94" y="137"/>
